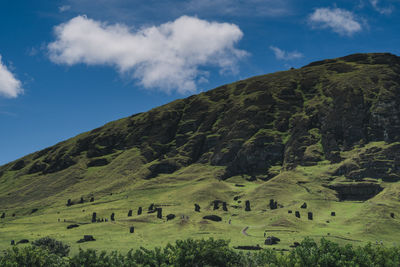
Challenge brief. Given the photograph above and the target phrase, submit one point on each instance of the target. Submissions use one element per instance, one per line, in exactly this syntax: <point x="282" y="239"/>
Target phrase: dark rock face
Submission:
<point x="297" y="214"/>
<point x="23" y="241"/>
<point x="358" y="191"/>
<point x="214" y="218"/>
<point x="247" y="208"/>
<point x="98" y="162"/>
<point x="72" y="226"/>
<point x="129" y="213"/>
<point x="196" y="207"/>
<point x="304" y="206"/>
<point x="18" y="165"/>
<point x="170" y="217"/>
<point x="271" y="240"/>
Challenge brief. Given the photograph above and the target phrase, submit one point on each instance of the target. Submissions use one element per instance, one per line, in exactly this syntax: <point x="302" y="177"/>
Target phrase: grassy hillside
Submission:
<point x="327" y="134"/>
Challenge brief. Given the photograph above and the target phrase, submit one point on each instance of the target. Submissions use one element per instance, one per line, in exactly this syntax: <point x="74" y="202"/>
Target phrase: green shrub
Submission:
<point x="54" y="246"/>
<point x="32" y="257"/>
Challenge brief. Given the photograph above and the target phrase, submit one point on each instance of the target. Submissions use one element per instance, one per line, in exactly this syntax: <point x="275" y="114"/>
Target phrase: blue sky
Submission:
<point x="70" y="66"/>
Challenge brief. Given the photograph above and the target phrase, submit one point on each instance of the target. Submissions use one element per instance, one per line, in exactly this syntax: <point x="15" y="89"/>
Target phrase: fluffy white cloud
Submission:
<point x="382" y="10"/>
<point x="339" y="20"/>
<point x="284" y="55"/>
<point x="9" y="86"/>
<point x="168" y="56"/>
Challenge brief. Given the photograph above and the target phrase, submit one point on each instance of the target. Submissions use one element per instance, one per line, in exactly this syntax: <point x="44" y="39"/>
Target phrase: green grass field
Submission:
<point x="356" y="222"/>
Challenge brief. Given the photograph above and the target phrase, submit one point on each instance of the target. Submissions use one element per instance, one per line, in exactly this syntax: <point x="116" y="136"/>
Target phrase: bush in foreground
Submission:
<point x="210" y="253"/>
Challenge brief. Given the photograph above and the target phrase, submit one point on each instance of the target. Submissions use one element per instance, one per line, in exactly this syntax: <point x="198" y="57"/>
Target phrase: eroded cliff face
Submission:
<point x="297" y="117"/>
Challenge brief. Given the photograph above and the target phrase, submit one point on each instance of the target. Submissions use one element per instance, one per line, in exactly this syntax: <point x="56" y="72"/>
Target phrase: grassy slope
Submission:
<point x="355" y="221"/>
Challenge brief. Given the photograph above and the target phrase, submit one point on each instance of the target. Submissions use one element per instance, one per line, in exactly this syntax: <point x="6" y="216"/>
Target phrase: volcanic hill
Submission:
<point x="327" y="134"/>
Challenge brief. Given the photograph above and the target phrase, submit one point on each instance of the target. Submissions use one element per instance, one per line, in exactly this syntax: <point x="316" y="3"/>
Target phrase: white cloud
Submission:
<point x="339" y="20"/>
<point x="167" y="57"/>
<point x="64" y="8"/>
<point x="10" y="87"/>
<point x="284" y="55"/>
<point x="382" y="10"/>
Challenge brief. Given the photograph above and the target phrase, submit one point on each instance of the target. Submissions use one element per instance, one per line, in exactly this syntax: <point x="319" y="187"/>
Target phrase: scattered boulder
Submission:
<point x="86" y="238"/>
<point x="3" y="215"/>
<point x="297" y="214"/>
<point x="69" y="202"/>
<point x="170" y="217"/>
<point x="12" y="242"/>
<point x="92" y="199"/>
<point x="295" y="245"/>
<point x="289" y="211"/>
<point x="273" y="204"/>
<point x="159" y="213"/>
<point x="304" y="206"/>
<point x="112" y="217"/>
<point x="236" y="198"/>
<point x="214" y="218"/>
<point x="271" y="240"/>
<point x="94" y="215"/>
<point x="130" y="213"/>
<point x="224" y="207"/>
<point x="247" y="208"/>
<point x="34" y="210"/>
<point x="131" y="229"/>
<point x="72" y="226"/>
<point x="197" y="207"/>
<point x="23" y="241"/>
<point x="333" y="213"/>
<point x="392" y="215"/>
<point x="310" y="215"/>
<point x="139" y="212"/>
<point x="239" y="185"/>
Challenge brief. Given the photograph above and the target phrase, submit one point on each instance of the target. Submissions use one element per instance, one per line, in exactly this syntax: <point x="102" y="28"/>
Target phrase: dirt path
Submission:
<point x="244" y="231"/>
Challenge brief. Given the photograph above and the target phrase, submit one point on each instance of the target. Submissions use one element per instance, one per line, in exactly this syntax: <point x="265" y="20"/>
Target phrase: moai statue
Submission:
<point x="333" y="213"/>
<point x="197" y="207"/>
<point x="132" y="229"/>
<point x="159" y="213"/>
<point x="289" y="211"/>
<point x="151" y="207"/>
<point x="81" y="201"/>
<point x="310" y="215"/>
<point x="92" y="199"/>
<point x="392" y="215"/>
<point x="297" y="213"/>
<point x="69" y="202"/>
<point x="224" y="207"/>
<point x="12" y="242"/>
<point x="3" y="215"/>
<point x="304" y="206"/>
<point x="216" y="206"/>
<point x="139" y="212"/>
<point x="94" y="215"/>
<point x="247" y="208"/>
<point x="129" y="213"/>
<point x="112" y="217"/>
<point x="273" y="204"/>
